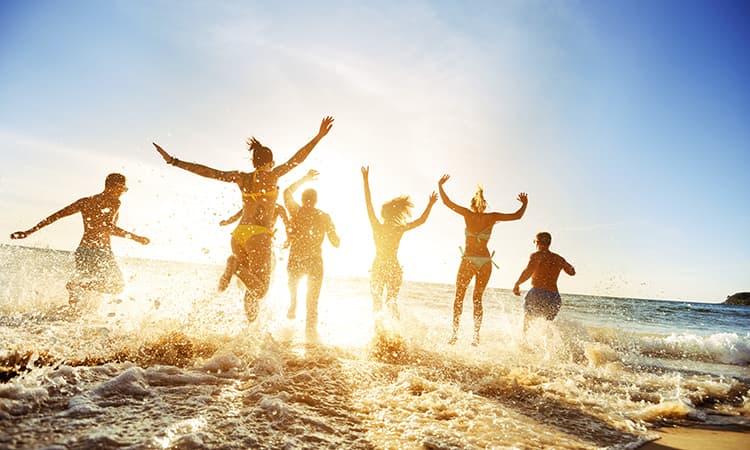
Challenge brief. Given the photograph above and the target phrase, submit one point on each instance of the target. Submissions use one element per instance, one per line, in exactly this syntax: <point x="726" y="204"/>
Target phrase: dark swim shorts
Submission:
<point x="542" y="303"/>
<point x="97" y="270"/>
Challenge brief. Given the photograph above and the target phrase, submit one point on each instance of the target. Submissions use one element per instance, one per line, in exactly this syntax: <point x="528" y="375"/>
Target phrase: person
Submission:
<point x="386" y="273"/>
<point x="308" y="228"/>
<point x="476" y="260"/>
<point x="95" y="266"/>
<point x="252" y="238"/>
<point x="232" y="263"/>
<point x="543" y="299"/>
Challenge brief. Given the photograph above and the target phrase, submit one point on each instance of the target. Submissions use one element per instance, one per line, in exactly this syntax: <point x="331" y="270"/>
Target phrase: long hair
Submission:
<point x="397" y="210"/>
<point x="478" y="203"/>
<point x="261" y="154"/>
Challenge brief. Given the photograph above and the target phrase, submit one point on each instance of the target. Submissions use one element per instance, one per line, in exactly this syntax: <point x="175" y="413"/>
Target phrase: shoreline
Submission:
<point x="700" y="437"/>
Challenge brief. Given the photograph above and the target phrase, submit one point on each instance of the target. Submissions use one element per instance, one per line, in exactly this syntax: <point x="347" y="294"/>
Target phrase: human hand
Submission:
<point x="523" y="198"/>
<point x="325" y="126"/>
<point x="443" y="179"/>
<point x="224" y="222"/>
<point x="19" y="235"/>
<point x="311" y="174"/>
<point x="365" y="172"/>
<point x="167" y="157"/>
<point x="433" y="198"/>
<point x="516" y="290"/>
<point x="141" y="240"/>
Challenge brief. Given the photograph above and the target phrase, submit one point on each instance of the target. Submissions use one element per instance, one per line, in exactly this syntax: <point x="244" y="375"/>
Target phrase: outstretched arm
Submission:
<point x="447" y="201"/>
<point x="67" y="211"/>
<point x="198" y="169"/>
<point x="502" y="217"/>
<point x="325" y="127"/>
<point x="368" y="198"/>
<point x="526" y="274"/>
<point x="119" y="232"/>
<point x="289" y="201"/>
<point x="423" y="218"/>
<point x="232" y="219"/>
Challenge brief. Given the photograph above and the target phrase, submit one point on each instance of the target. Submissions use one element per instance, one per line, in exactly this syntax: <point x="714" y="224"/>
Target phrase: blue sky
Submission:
<point x="628" y="123"/>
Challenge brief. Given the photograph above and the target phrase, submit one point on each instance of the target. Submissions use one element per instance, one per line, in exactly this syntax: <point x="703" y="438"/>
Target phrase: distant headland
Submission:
<point x="740" y="298"/>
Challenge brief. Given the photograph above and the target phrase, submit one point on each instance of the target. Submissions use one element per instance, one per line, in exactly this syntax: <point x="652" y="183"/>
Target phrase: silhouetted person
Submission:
<point x="543" y="300"/>
<point x="232" y="262"/>
<point x="386" y="274"/>
<point x="95" y="265"/>
<point x="308" y="228"/>
<point x="252" y="238"/>
<point x="476" y="261"/>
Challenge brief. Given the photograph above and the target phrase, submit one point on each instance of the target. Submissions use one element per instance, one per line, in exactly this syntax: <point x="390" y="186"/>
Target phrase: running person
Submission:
<point x="252" y="238"/>
<point x="543" y="300"/>
<point x="476" y="261"/>
<point x="95" y="265"/>
<point x="386" y="274"/>
<point x="308" y="228"/>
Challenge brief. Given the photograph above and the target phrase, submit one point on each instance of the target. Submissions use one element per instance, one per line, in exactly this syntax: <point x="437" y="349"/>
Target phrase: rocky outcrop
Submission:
<point x="740" y="298"/>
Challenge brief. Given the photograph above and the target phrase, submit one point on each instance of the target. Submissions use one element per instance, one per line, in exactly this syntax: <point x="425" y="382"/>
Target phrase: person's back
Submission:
<point x="387" y="239"/>
<point x="308" y="230"/>
<point x="99" y="214"/>
<point x="548" y="268"/>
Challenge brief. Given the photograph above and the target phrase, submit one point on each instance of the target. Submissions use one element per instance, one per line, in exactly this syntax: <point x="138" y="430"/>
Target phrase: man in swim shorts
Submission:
<point x="543" y="300"/>
<point x="96" y="268"/>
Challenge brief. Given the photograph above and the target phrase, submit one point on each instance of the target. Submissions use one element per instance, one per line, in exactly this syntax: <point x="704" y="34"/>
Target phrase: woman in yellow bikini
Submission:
<point x="252" y="239"/>
<point x="476" y="261"/>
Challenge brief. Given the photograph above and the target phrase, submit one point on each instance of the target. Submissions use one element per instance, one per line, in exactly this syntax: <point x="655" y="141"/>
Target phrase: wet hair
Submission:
<point x="309" y="197"/>
<point x="544" y="238"/>
<point x="397" y="210"/>
<point x="478" y="203"/>
<point x="114" y="179"/>
<point x="261" y="154"/>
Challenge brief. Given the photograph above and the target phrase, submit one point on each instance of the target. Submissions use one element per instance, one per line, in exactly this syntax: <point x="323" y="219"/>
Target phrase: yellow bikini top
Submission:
<point x="255" y="196"/>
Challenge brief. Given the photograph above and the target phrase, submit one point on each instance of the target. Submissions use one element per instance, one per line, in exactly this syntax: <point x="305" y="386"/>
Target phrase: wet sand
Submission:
<point x="720" y="437"/>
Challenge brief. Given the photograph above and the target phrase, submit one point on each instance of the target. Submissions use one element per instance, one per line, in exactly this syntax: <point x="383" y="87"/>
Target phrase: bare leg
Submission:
<point x="230" y="270"/>
<point x="463" y="278"/>
<point x="480" y="284"/>
<point x="294" y="277"/>
<point x="254" y="271"/>
<point x="314" y="284"/>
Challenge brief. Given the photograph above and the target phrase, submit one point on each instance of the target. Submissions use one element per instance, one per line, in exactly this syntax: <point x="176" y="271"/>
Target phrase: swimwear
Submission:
<point x="96" y="269"/>
<point x="255" y="196"/>
<point x="480" y="236"/>
<point x="244" y="232"/>
<point x="386" y="274"/>
<point x="479" y="261"/>
<point x="542" y="303"/>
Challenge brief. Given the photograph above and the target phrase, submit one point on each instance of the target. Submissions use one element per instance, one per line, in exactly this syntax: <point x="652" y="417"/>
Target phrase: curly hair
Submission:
<point x="261" y="154"/>
<point x="397" y="210"/>
<point x="478" y="203"/>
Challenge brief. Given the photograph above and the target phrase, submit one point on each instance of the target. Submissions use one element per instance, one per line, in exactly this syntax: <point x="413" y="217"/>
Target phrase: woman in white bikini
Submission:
<point x="476" y="260"/>
<point x="252" y="238"/>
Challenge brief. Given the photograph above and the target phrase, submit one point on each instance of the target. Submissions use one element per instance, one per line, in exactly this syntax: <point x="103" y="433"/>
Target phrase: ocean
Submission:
<point x="172" y="364"/>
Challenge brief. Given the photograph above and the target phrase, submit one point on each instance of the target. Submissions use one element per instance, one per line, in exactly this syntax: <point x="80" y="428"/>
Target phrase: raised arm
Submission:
<point x="67" y="211"/>
<point x="526" y="274"/>
<point x="368" y="198"/>
<point x="423" y="218"/>
<point x="198" y="169"/>
<point x="289" y="201"/>
<point x="503" y="217"/>
<point x="325" y="127"/>
<point x="447" y="201"/>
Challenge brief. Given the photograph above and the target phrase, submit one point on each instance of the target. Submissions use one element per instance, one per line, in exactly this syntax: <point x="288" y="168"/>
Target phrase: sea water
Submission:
<point x="170" y="363"/>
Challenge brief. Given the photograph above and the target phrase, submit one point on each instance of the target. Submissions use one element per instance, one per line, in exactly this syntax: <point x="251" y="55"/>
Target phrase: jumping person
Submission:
<point x="476" y="261"/>
<point x="95" y="265"/>
<point x="252" y="238"/>
<point x="308" y="228"/>
<point x="543" y="300"/>
<point x="387" y="274"/>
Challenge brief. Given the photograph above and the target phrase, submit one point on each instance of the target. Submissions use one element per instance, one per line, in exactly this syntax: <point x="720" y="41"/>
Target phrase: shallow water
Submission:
<point x="171" y="364"/>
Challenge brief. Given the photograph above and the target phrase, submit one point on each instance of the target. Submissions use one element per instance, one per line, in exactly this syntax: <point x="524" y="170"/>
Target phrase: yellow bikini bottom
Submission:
<point x="244" y="232"/>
